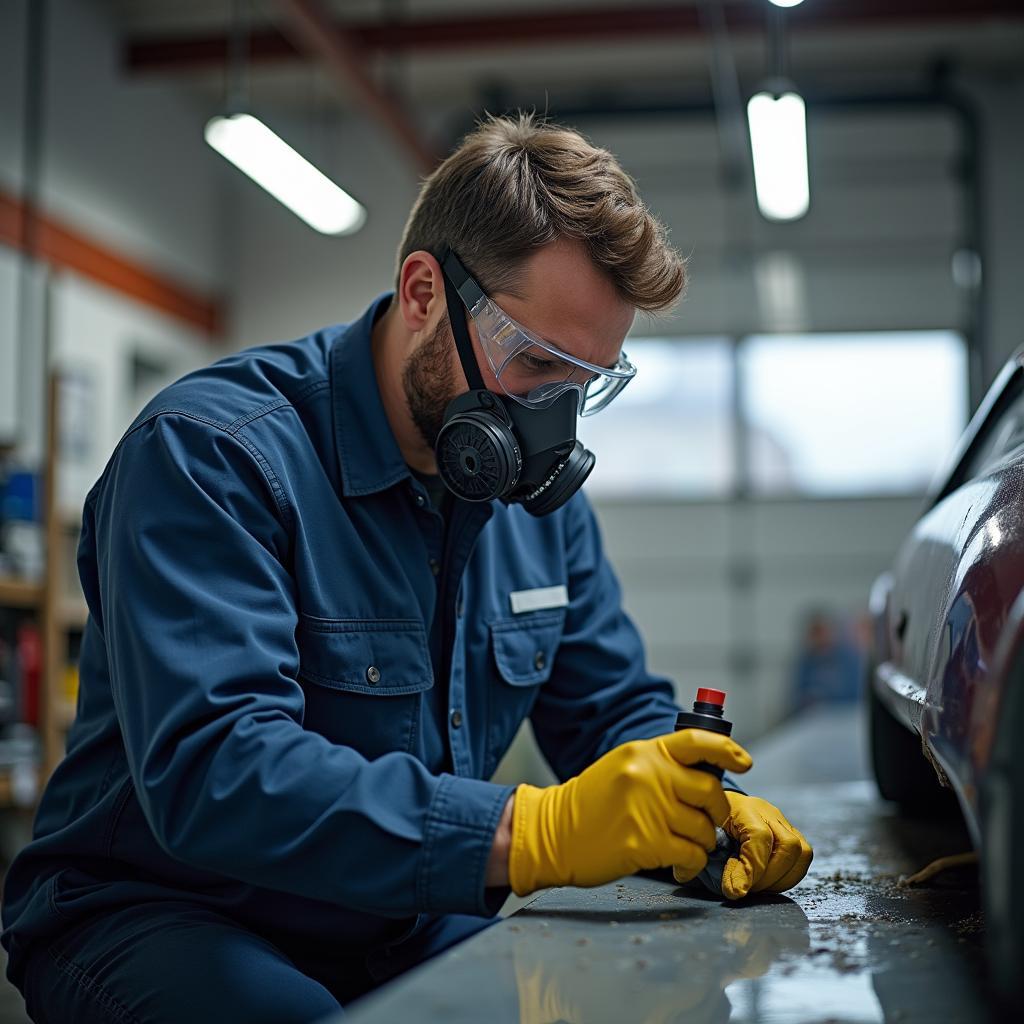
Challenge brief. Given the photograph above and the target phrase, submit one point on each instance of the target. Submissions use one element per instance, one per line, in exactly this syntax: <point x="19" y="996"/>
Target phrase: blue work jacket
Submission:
<point x="293" y="690"/>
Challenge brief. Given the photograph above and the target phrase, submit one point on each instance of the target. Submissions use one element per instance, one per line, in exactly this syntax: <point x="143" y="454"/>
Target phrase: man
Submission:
<point x="305" y="655"/>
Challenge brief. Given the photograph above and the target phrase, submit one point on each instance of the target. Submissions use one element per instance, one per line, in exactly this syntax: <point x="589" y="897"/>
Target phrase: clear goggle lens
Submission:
<point x="535" y="373"/>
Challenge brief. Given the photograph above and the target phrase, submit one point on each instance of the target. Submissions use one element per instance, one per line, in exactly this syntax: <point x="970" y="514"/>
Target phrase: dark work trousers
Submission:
<point x="178" y="963"/>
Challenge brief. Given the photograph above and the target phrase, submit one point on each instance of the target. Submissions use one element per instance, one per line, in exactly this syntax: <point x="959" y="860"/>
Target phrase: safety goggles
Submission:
<point x="530" y="370"/>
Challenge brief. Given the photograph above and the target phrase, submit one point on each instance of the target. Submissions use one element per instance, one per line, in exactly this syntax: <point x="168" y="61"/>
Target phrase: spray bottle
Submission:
<point x="709" y="713"/>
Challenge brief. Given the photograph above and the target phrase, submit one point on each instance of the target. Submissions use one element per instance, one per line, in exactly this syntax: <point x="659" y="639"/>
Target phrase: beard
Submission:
<point x="428" y="380"/>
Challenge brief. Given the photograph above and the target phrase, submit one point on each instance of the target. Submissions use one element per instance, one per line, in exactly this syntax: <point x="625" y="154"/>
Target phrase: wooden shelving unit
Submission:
<point x="6" y="789"/>
<point x="58" y="613"/>
<point x="23" y="596"/>
<point x="51" y="722"/>
<point x="18" y="594"/>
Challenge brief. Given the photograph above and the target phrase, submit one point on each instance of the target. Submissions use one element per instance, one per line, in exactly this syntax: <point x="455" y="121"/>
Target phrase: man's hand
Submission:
<point x="640" y="806"/>
<point x="773" y="855"/>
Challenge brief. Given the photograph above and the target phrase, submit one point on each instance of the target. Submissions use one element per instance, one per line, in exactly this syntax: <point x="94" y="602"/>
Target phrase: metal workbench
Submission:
<point x="851" y="944"/>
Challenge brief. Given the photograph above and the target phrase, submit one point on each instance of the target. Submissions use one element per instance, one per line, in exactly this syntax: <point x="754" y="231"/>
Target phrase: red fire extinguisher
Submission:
<point x="30" y="662"/>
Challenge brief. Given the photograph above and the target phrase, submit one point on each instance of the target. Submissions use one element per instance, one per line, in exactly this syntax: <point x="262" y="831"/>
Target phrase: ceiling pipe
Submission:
<point x="727" y="95"/>
<point x="147" y="54"/>
<point x="333" y="47"/>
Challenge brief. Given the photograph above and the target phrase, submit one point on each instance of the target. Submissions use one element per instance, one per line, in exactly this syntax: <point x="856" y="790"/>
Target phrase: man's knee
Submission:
<point x="166" y="968"/>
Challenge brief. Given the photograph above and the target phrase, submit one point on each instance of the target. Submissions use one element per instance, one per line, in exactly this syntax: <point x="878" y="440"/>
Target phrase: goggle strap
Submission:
<point x="457" y="316"/>
<point x="470" y="292"/>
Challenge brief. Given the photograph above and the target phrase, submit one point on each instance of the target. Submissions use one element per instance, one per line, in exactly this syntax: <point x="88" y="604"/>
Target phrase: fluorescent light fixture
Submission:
<point x="778" y="140"/>
<point x="787" y="3"/>
<point x="287" y="175"/>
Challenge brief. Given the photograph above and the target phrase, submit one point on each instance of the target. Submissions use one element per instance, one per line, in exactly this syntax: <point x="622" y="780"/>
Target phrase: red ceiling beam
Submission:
<point x="341" y="55"/>
<point x="614" y="24"/>
<point x="62" y="247"/>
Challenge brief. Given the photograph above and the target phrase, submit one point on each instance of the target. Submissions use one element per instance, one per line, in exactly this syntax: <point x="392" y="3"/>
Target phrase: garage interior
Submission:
<point x="785" y="429"/>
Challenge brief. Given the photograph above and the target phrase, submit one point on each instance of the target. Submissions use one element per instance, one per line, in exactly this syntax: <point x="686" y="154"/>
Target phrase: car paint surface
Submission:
<point x="941" y="615"/>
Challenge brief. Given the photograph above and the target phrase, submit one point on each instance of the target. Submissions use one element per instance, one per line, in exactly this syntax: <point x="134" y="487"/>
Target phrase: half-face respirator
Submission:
<point x="520" y="445"/>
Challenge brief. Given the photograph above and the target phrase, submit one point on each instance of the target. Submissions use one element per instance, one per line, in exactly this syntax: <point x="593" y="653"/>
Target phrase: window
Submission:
<point x="832" y="415"/>
<point x="842" y="414"/>
<point x="670" y="432"/>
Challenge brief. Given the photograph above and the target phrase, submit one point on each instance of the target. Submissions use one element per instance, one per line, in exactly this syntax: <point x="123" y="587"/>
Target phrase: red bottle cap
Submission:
<point x="709" y="696"/>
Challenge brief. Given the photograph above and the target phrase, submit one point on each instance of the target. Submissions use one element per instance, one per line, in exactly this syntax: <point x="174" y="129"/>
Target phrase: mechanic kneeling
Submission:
<point x="327" y="581"/>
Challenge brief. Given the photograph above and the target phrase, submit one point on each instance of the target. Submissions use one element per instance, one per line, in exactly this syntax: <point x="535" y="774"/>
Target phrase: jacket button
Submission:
<point x="435" y="566"/>
<point x="539" y="660"/>
<point x="456" y="719"/>
<point x="420" y="501"/>
<point x="373" y="675"/>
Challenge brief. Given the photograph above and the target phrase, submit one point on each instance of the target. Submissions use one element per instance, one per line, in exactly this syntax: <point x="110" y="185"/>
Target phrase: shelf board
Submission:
<point x="20" y="594"/>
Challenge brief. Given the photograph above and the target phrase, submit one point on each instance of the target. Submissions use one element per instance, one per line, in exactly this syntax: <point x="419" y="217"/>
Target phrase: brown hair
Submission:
<point x="515" y="184"/>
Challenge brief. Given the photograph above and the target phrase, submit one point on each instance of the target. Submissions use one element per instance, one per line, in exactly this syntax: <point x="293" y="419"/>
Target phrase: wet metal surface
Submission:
<point x="851" y="944"/>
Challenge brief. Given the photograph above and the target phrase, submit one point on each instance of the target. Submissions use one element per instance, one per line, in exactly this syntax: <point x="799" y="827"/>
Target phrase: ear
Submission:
<point x="421" y="296"/>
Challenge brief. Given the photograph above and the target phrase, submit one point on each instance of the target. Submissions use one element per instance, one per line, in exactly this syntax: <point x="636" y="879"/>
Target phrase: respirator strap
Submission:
<point x="460" y="329"/>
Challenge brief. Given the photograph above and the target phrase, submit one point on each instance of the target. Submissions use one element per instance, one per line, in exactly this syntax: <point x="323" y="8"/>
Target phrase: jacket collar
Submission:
<point x="367" y="450"/>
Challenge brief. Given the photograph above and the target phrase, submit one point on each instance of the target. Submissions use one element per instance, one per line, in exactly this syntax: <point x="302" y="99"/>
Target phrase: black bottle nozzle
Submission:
<point x="708" y="713"/>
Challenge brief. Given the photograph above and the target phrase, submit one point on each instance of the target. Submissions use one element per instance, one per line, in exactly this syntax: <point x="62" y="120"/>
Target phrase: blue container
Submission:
<point x="20" y="497"/>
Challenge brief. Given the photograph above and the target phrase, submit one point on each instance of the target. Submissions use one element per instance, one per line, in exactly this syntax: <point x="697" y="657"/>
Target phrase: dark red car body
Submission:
<point x="948" y="660"/>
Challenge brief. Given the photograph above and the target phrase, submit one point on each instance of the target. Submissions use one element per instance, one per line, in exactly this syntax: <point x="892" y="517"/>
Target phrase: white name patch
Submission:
<point x="538" y="599"/>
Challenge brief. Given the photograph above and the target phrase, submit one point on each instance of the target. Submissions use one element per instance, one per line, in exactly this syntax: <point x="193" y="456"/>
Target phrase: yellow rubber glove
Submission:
<point x="773" y="855"/>
<point x="637" y="807"/>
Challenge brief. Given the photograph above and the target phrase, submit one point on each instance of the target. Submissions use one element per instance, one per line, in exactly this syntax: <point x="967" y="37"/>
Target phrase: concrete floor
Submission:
<point x="851" y="945"/>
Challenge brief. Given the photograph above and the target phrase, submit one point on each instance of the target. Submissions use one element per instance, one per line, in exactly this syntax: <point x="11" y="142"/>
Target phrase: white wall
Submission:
<point x="124" y="163"/>
<point x="676" y="563"/>
<point x="12" y="28"/>
<point x="9" y="287"/>
<point x="96" y="333"/>
<point x="124" y="159"/>
<point x="287" y="279"/>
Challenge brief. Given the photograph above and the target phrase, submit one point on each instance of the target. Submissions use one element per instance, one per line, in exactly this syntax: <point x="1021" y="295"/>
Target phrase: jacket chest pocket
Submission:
<point x="524" y="650"/>
<point x="363" y="680"/>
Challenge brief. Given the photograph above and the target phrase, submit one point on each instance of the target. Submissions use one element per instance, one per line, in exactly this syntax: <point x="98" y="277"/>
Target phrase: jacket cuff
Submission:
<point x="460" y="827"/>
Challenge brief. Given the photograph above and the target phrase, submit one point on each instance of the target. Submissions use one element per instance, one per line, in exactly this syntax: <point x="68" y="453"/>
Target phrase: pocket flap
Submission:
<point x="373" y="656"/>
<point x="525" y="648"/>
